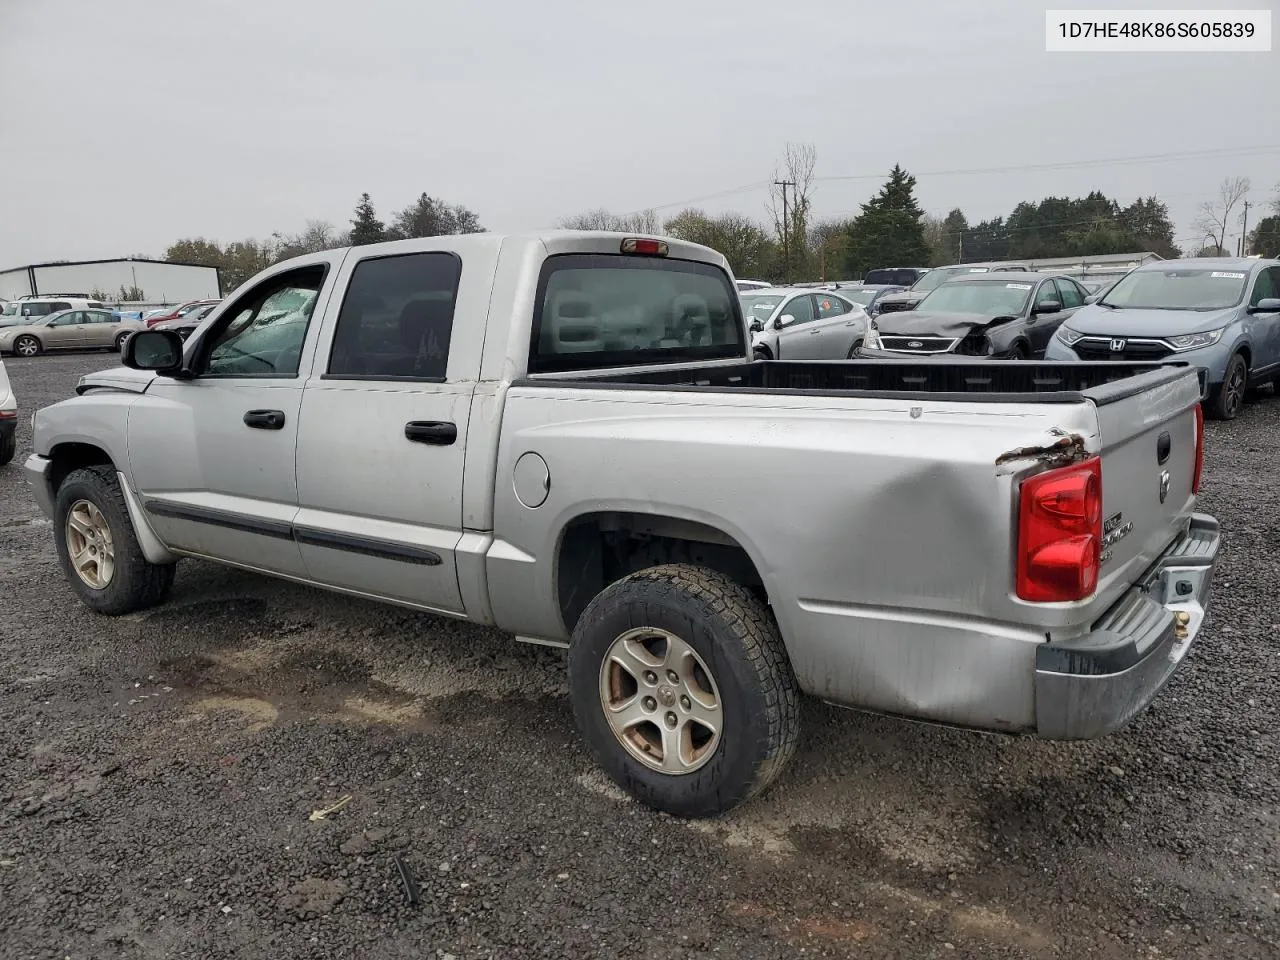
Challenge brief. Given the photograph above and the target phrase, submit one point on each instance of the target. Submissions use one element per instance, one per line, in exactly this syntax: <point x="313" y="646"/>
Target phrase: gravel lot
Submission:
<point x="160" y="770"/>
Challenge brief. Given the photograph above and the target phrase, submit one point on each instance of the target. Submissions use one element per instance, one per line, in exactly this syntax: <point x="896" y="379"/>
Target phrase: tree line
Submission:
<point x="890" y="229"/>
<point x="239" y="260"/>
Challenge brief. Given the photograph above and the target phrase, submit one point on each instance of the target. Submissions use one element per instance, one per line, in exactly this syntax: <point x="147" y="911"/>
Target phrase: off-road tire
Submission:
<point x="1227" y="400"/>
<point x="135" y="582"/>
<point x="736" y="636"/>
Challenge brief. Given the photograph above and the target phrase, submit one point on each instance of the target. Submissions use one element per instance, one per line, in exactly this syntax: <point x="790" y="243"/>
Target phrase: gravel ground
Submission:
<point x="160" y="771"/>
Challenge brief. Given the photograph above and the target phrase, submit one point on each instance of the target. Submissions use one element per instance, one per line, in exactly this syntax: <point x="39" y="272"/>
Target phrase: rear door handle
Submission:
<point x="264" y="419"/>
<point x="439" y="433"/>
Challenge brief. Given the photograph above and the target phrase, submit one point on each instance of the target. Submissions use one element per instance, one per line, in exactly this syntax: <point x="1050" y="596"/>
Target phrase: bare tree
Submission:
<point x="791" y="204"/>
<point x="1216" y="214"/>
<point x="643" y="221"/>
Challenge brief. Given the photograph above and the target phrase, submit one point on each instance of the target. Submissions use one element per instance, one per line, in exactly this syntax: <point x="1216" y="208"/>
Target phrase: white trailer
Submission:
<point x="151" y="281"/>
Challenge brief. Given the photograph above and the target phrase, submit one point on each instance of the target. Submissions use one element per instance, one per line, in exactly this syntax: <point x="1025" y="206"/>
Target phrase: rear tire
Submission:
<point x="8" y="446"/>
<point x="98" y="549"/>
<point x="635" y="648"/>
<point x="1226" y="402"/>
<point x="26" y="346"/>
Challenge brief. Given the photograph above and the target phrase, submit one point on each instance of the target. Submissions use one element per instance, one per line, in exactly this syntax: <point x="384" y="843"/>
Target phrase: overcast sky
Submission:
<point x="130" y="123"/>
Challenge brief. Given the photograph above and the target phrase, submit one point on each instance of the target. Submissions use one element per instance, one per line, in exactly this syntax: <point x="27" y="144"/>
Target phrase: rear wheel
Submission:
<point x="26" y="346"/>
<point x="1227" y="400"/>
<point x="8" y="446"/>
<point x="682" y="689"/>
<point x="97" y="548"/>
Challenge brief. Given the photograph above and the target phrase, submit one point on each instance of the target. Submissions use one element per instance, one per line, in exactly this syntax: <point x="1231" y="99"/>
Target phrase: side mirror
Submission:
<point x="757" y="326"/>
<point x="1092" y="298"/>
<point x="1266" y="305"/>
<point x="783" y="320"/>
<point x="1049" y="306"/>
<point x="156" y="350"/>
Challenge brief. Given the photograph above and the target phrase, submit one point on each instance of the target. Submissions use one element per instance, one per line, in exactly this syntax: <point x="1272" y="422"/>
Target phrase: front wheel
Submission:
<point x="98" y="549"/>
<point x="120" y="342"/>
<point x="8" y="446"/>
<point x="1226" y="402"/>
<point x="853" y="351"/>
<point x="26" y="346"/>
<point x="682" y="689"/>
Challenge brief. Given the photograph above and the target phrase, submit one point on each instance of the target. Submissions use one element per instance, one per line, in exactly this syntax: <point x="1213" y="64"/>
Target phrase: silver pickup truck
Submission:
<point x="565" y="436"/>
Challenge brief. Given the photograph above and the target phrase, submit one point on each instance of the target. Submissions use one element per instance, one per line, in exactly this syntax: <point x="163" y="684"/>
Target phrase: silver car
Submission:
<point x="788" y="323"/>
<point x="68" y="330"/>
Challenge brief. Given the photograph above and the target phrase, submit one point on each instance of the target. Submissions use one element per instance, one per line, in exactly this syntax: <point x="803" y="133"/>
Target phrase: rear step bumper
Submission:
<point x="1093" y="685"/>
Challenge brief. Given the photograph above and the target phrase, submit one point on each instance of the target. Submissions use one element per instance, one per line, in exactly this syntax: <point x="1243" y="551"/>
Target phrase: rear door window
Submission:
<point x="397" y="318"/>
<point x="1069" y="293"/>
<point x="829" y="306"/>
<point x="596" y="311"/>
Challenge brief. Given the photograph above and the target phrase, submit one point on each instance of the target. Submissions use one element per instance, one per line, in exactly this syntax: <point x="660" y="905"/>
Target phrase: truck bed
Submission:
<point x="967" y="380"/>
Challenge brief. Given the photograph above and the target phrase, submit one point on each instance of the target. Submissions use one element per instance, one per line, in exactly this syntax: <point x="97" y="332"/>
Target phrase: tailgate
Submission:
<point x="1148" y="461"/>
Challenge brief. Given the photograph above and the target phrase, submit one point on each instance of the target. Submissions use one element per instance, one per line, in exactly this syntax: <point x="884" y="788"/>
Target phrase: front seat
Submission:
<point x="572" y="325"/>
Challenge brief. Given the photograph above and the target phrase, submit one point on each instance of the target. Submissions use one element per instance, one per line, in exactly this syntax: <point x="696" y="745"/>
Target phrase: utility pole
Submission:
<point x="960" y="246"/>
<point x="786" y="229"/>
<point x="1244" y="228"/>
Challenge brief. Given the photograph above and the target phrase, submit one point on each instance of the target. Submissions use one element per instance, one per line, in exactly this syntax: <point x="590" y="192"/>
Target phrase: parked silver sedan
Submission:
<point x="68" y="330"/>
<point x="803" y="324"/>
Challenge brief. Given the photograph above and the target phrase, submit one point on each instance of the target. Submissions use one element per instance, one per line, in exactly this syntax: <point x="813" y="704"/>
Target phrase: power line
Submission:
<point x="1221" y="152"/>
<point x="1215" y="153"/>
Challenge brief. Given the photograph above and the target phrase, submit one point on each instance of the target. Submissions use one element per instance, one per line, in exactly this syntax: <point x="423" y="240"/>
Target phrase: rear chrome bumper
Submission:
<point x="1094" y="685"/>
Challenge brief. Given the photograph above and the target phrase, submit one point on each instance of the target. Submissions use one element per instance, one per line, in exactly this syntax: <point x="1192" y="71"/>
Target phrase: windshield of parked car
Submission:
<point x="936" y="278"/>
<point x="994" y="297"/>
<point x="861" y="296"/>
<point x="1178" y="288"/>
<point x="759" y="307"/>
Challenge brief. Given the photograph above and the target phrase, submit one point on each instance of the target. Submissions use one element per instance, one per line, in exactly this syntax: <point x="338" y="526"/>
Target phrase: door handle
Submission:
<point x="264" y="419"/>
<point x="438" y="433"/>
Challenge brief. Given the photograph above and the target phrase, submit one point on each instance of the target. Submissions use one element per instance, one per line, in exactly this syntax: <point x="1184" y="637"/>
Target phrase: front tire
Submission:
<point x="1227" y="400"/>
<point x="853" y="351"/>
<point x="26" y="346"/>
<point x="98" y="549"/>
<point x="682" y="689"/>
<point x="120" y="342"/>
<point x="8" y="446"/>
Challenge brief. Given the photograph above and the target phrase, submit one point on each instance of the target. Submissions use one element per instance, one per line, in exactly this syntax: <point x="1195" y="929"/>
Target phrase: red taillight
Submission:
<point x="652" y="248"/>
<point x="1199" y="468"/>
<point x="1060" y="533"/>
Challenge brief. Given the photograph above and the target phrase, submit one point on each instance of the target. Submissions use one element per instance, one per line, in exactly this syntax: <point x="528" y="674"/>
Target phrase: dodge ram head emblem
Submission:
<point x="1164" y="485"/>
<point x="1117" y="346"/>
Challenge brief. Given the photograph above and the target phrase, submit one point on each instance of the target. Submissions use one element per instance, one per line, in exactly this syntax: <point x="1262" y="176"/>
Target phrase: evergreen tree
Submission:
<point x="1264" y="239"/>
<point x="365" y="226"/>
<point x="889" y="232"/>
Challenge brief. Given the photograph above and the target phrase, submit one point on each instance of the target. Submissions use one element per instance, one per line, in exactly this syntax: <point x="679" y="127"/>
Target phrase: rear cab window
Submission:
<point x="601" y="311"/>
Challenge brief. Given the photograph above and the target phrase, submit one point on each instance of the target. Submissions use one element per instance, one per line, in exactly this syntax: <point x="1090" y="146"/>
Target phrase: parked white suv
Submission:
<point x="18" y="312"/>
